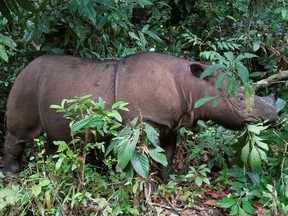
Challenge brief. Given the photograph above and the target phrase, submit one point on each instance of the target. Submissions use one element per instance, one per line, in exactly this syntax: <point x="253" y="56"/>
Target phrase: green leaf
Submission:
<point x="256" y="45"/>
<point x="242" y="212"/>
<point x="119" y="104"/>
<point x="3" y="53"/>
<point x="227" y="202"/>
<point x="155" y="154"/>
<point x="153" y="35"/>
<point x="247" y="206"/>
<point x="234" y="210"/>
<point x="55" y="107"/>
<point x="134" y="36"/>
<point x="236" y="186"/>
<point x="59" y="163"/>
<point x="44" y="182"/>
<point x="263" y="155"/>
<point x="220" y="81"/>
<point x="116" y="115"/>
<point x="152" y="134"/>
<point x="91" y="13"/>
<point x="143" y="3"/>
<point x="245" y="153"/>
<point x="243" y="72"/>
<point x="255" y="159"/>
<point x="250" y="55"/>
<point x="256" y="129"/>
<point x="229" y="56"/>
<point x="262" y="145"/>
<point x="7" y="41"/>
<point x="198" y="181"/>
<point x="5" y="11"/>
<point x="215" y="102"/>
<point x="76" y="126"/>
<point x="127" y="149"/>
<point x="36" y="190"/>
<point x="203" y="101"/>
<point x="27" y="5"/>
<point x="231" y="87"/>
<point x="280" y="104"/>
<point x="210" y="70"/>
<point x="140" y="164"/>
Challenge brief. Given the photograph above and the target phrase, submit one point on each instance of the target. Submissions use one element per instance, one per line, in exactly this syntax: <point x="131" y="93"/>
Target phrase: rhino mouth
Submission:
<point x="256" y="119"/>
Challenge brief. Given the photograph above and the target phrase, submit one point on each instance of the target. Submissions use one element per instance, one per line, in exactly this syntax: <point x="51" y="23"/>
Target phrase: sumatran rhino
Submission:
<point x="160" y="88"/>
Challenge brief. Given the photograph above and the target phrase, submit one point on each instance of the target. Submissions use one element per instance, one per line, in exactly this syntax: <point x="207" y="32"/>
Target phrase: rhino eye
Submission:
<point x="241" y="99"/>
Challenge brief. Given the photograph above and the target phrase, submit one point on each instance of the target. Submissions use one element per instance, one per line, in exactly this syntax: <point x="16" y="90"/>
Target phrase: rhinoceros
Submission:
<point x="161" y="88"/>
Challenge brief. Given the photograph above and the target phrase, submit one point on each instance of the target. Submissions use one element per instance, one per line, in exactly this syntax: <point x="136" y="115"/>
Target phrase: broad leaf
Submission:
<point x="243" y="72"/>
<point x="3" y="53"/>
<point x="210" y="70"/>
<point x="256" y="46"/>
<point x="262" y="145"/>
<point x="256" y="129"/>
<point x="242" y="212"/>
<point x="247" y="206"/>
<point x="153" y="35"/>
<point x="231" y="87"/>
<point x="220" y="81"/>
<point x="152" y="134"/>
<point x="76" y="126"/>
<point x="263" y="155"/>
<point x="227" y="202"/>
<point x="229" y="56"/>
<point x="203" y="101"/>
<point x="27" y="5"/>
<point x="245" y="153"/>
<point x="280" y="104"/>
<point x="36" y="190"/>
<point x="255" y="159"/>
<point x="140" y="164"/>
<point x="127" y="149"/>
<point x="155" y="154"/>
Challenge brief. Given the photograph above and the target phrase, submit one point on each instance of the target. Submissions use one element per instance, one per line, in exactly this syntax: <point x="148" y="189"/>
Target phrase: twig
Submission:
<point x="166" y="207"/>
<point x="275" y="78"/>
<point x="279" y="55"/>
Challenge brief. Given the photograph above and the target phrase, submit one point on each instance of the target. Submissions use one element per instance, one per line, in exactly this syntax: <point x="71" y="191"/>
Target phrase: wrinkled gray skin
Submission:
<point x="161" y="87"/>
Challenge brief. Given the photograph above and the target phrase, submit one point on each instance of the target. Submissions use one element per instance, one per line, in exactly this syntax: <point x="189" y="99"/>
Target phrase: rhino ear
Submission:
<point x="197" y="69"/>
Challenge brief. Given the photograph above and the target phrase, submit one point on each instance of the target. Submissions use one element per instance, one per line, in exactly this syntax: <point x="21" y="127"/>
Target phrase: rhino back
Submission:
<point x="151" y="83"/>
<point x="49" y="79"/>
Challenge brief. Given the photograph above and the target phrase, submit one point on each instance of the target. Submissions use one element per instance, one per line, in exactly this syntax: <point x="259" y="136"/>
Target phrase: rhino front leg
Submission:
<point x="13" y="150"/>
<point x="169" y="145"/>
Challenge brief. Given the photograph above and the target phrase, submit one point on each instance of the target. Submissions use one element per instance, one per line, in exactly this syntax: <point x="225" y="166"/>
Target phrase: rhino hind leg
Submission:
<point x="50" y="147"/>
<point x="169" y="145"/>
<point x="13" y="150"/>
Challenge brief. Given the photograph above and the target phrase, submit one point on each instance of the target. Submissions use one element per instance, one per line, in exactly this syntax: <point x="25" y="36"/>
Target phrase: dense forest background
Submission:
<point x="202" y="30"/>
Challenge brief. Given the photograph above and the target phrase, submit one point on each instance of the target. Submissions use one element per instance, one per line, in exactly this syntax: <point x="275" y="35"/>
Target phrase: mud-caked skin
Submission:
<point x="161" y="87"/>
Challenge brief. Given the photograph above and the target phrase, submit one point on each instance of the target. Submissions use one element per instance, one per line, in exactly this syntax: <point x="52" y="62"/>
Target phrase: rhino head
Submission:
<point x="234" y="112"/>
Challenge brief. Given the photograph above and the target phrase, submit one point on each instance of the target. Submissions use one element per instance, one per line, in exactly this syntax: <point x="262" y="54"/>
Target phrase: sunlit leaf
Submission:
<point x="242" y="212"/>
<point x="245" y="153"/>
<point x="255" y="159"/>
<point x="36" y="190"/>
<point x="256" y="46"/>
<point x="227" y="202"/>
